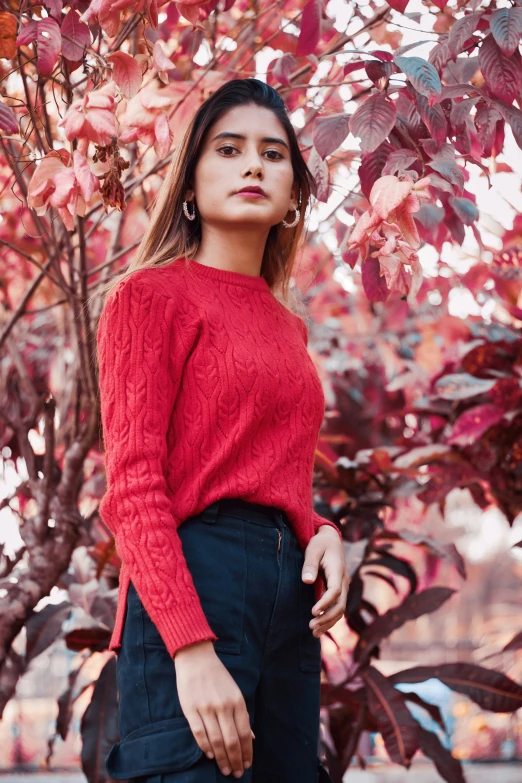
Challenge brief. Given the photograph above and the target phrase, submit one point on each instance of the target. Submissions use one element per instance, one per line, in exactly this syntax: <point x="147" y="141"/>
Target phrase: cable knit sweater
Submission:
<point x="207" y="391"/>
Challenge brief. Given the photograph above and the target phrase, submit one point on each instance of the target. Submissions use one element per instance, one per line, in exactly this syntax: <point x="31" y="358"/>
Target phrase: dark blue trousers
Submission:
<point x="246" y="565"/>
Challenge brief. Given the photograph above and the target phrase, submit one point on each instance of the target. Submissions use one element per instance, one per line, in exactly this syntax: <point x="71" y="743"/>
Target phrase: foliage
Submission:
<point x="94" y="97"/>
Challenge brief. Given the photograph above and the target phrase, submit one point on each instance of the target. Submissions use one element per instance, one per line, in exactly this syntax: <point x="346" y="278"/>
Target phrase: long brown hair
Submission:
<point x="169" y="235"/>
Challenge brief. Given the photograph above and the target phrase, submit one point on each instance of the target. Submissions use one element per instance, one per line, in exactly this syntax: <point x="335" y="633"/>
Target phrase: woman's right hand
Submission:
<point x="214" y="706"/>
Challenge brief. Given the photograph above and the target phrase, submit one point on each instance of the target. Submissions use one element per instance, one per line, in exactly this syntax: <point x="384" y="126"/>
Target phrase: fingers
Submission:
<point x="332" y="605"/>
<point x="242" y="720"/>
<point x="225" y="734"/>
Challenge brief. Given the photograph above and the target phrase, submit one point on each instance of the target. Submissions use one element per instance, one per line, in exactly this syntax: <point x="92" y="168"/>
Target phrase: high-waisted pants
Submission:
<point x="246" y="564"/>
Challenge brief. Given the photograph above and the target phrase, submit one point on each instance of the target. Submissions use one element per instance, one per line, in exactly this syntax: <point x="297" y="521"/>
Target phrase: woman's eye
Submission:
<point x="230" y="147"/>
<point x="277" y="153"/>
<point x="226" y="147"/>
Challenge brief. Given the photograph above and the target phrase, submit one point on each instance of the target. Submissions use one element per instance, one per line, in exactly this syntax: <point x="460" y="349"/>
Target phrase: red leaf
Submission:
<point x="378" y="71"/>
<point x="126" y="73"/>
<point x="422" y="75"/>
<point x="513" y="116"/>
<point x="373" y="121"/>
<point x="434" y="119"/>
<point x="399" y="161"/>
<point x="438" y="57"/>
<point x="460" y="32"/>
<point x="372" y="166"/>
<point x="398" y="5"/>
<point x="329" y="133"/>
<point x="283" y="68"/>
<point x="374" y="283"/>
<point x="506" y="26"/>
<point x="320" y="170"/>
<point x="412" y="607"/>
<point x="8" y="119"/>
<point x="488" y="688"/>
<point x="473" y="423"/>
<point x="399" y="729"/>
<point x="79" y="34"/>
<point x="448" y="767"/>
<point x="310" y="33"/>
<point x="501" y="74"/>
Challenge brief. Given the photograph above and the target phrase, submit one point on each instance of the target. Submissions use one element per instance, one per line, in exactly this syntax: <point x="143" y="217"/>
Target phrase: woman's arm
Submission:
<point x="141" y="359"/>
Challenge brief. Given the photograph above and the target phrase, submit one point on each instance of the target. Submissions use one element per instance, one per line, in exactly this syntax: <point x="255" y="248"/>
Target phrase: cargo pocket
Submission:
<point x="217" y="560"/>
<point x="161" y="747"/>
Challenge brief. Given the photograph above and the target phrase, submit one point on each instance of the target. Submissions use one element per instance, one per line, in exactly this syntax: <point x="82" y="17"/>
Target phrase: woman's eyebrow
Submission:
<point x="269" y="139"/>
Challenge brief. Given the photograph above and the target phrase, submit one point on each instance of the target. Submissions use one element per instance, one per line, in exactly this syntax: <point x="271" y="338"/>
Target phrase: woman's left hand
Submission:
<point x="325" y="550"/>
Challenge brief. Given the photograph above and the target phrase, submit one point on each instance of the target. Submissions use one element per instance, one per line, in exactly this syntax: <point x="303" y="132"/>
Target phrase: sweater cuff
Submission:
<point x="319" y="520"/>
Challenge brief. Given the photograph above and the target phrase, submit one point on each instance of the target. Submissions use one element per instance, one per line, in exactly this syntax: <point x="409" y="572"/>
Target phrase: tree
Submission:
<point x="93" y="100"/>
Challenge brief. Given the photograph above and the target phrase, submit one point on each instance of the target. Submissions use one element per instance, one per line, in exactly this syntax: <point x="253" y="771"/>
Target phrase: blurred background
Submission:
<point x="417" y="344"/>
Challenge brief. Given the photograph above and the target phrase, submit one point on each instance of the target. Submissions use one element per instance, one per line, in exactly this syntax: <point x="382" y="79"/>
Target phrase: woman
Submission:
<point x="211" y="409"/>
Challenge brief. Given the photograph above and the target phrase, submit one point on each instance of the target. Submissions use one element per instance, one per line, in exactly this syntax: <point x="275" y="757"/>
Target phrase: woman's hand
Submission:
<point x="214" y="707"/>
<point x="325" y="550"/>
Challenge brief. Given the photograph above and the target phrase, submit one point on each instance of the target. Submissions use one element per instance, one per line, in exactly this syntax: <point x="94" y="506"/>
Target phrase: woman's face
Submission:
<point x="247" y="146"/>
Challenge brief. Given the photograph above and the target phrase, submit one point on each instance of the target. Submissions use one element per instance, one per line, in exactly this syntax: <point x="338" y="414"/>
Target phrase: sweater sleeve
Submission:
<point x="316" y="518"/>
<point x="140" y="357"/>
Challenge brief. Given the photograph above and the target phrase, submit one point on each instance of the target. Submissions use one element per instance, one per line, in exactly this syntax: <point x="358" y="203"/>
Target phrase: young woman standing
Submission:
<point x="211" y="409"/>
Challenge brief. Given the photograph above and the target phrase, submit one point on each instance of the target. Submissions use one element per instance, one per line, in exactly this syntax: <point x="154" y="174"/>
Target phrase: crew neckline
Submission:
<point x="226" y="276"/>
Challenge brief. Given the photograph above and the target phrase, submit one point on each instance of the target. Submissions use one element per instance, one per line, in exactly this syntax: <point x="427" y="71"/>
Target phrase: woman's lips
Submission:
<point x="250" y="193"/>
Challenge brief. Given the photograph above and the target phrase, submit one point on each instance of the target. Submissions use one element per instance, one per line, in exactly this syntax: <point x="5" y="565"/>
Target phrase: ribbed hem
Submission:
<point x="226" y="276"/>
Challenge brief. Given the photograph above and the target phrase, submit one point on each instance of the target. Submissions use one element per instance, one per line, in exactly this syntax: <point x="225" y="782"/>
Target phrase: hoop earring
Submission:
<point x="296" y="220"/>
<point x="187" y="213"/>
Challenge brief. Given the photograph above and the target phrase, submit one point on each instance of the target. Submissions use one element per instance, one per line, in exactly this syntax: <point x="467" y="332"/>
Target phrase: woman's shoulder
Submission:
<point x="162" y="281"/>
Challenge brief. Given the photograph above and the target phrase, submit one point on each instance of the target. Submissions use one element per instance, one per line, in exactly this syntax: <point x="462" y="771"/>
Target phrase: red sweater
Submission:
<point x="207" y="391"/>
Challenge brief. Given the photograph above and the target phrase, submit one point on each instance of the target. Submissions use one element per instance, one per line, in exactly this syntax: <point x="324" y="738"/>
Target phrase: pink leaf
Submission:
<point x="310" y="33"/>
<point x="79" y="32"/>
<point x="160" y="60"/>
<point x="64" y="185"/>
<point x="163" y="134"/>
<point x="48" y="39"/>
<point x="501" y="74"/>
<point x="329" y="133"/>
<point x="101" y="126"/>
<point x="126" y="73"/>
<point x="73" y="124"/>
<point x="373" y="121"/>
<point x="108" y="17"/>
<point x="87" y="181"/>
<point x="473" y="423"/>
<point x="387" y="194"/>
<point x="28" y="34"/>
